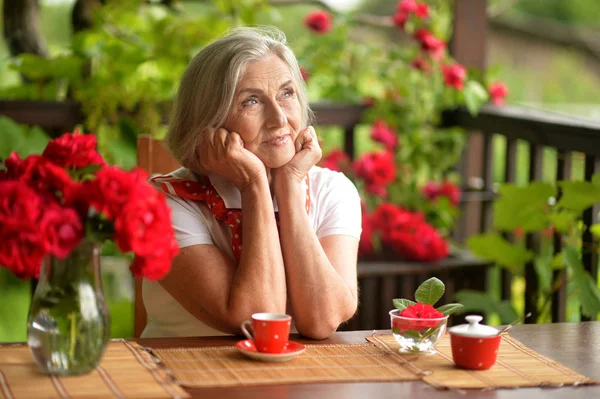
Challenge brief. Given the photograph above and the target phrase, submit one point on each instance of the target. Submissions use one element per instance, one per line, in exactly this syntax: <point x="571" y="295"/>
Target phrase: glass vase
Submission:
<point x="417" y="336"/>
<point x="68" y="323"/>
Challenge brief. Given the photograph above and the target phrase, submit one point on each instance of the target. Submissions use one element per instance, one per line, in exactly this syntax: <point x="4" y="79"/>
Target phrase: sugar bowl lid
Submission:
<point x="473" y="329"/>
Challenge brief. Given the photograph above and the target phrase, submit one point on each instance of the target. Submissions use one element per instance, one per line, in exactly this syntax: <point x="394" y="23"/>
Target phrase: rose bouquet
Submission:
<point x="56" y="209"/>
<point x="417" y="326"/>
<point x="50" y="203"/>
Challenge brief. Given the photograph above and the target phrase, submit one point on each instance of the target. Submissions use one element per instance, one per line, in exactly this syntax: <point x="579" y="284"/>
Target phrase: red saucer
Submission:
<point x="293" y="349"/>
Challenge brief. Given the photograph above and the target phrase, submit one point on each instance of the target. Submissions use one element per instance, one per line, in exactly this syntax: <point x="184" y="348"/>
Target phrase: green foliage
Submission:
<point x="429" y="292"/>
<point x="533" y="209"/>
<point x="21" y="139"/>
<point x="496" y="248"/>
<point x="402" y="303"/>
<point x="522" y="207"/>
<point x="475" y="301"/>
<point x="475" y="96"/>
<point x="576" y="12"/>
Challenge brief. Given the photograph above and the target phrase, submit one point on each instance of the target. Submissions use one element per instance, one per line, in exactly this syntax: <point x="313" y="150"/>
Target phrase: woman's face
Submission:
<point x="266" y="112"/>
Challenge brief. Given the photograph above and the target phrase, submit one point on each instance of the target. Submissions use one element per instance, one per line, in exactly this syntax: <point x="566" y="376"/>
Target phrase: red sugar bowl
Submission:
<point x="474" y="346"/>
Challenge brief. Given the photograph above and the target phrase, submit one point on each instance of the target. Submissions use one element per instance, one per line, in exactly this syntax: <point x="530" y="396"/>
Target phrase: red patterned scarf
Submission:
<point x="204" y="191"/>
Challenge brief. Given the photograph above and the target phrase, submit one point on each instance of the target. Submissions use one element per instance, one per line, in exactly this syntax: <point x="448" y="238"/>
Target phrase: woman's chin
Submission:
<point x="274" y="161"/>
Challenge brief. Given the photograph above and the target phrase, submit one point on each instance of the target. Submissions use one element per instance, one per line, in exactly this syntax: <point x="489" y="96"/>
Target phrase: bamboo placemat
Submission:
<point x="516" y="366"/>
<point x="126" y="371"/>
<point x="224" y="366"/>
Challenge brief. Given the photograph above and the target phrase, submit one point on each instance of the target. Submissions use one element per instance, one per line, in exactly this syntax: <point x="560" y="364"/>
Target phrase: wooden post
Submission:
<point x="21" y="31"/>
<point x="467" y="46"/>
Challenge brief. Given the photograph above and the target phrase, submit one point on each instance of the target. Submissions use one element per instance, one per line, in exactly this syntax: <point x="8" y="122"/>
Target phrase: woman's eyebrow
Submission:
<point x="260" y="91"/>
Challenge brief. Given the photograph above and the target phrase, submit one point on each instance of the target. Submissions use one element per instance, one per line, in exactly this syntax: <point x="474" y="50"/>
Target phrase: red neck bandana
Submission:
<point x="204" y="191"/>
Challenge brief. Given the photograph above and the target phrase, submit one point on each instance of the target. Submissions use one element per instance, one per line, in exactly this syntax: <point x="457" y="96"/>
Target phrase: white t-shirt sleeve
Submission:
<point x="340" y="204"/>
<point x="188" y="223"/>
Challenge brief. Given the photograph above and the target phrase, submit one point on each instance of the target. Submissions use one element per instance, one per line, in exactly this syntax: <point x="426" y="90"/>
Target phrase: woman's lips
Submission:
<point x="278" y="141"/>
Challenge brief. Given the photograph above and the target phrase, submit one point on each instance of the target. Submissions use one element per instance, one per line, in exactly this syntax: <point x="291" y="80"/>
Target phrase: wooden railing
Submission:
<point x="570" y="137"/>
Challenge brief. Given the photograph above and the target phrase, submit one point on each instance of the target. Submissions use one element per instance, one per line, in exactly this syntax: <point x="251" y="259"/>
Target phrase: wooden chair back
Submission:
<point x="153" y="157"/>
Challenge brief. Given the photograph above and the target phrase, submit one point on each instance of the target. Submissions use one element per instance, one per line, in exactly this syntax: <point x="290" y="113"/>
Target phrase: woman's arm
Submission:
<point x="320" y="274"/>
<point x="209" y="284"/>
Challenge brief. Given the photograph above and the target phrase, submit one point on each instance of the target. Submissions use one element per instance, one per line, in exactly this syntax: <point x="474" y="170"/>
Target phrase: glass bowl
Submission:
<point x="417" y="336"/>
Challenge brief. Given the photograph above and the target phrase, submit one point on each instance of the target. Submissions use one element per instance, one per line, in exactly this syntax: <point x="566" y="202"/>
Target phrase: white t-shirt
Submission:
<point x="334" y="209"/>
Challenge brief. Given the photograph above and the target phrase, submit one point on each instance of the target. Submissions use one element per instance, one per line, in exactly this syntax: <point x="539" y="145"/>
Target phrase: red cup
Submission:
<point x="474" y="346"/>
<point x="475" y="353"/>
<point x="270" y="331"/>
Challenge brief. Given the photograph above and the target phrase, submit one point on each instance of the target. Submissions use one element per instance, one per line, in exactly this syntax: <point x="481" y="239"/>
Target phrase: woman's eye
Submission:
<point x="288" y="93"/>
<point x="249" y="101"/>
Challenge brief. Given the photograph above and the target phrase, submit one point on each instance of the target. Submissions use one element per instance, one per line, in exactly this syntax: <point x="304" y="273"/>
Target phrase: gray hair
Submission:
<point x="208" y="85"/>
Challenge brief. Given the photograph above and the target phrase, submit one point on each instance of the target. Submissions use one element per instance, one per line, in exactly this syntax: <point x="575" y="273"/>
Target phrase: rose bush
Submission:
<point x="408" y="184"/>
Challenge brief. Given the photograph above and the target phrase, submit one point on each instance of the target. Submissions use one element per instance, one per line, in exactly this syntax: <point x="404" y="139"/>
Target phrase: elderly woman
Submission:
<point x="241" y="130"/>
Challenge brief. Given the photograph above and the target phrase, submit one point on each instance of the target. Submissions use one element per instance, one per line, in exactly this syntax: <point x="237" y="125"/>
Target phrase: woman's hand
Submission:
<point x="308" y="153"/>
<point x="222" y="152"/>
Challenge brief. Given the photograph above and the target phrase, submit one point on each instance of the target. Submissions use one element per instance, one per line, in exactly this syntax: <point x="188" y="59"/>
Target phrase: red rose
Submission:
<point x="14" y="165"/>
<point x="113" y="188"/>
<point x="422" y="10"/>
<point x="498" y="92"/>
<point x="22" y="245"/>
<point x="431" y="44"/>
<point x="377" y="190"/>
<point x="336" y="160"/>
<point x="376" y="168"/>
<point x="399" y="19"/>
<point x="22" y="250"/>
<point x="421" y="315"/>
<point x="450" y="191"/>
<point x="406" y="6"/>
<point x="152" y="268"/>
<point x="18" y="203"/>
<point x="418" y="242"/>
<point x="454" y="75"/>
<point x="73" y="151"/>
<point x="383" y="134"/>
<point x="433" y="190"/>
<point x="319" y="21"/>
<point x="144" y="227"/>
<point x="46" y="178"/>
<point x="389" y="217"/>
<point x="62" y="230"/>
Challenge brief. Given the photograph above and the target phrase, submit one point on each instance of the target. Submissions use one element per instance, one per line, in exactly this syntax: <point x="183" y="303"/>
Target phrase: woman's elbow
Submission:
<point x="324" y="327"/>
<point x="318" y="329"/>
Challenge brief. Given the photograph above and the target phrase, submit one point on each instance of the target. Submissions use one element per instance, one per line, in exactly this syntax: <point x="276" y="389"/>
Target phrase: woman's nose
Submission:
<point x="276" y="117"/>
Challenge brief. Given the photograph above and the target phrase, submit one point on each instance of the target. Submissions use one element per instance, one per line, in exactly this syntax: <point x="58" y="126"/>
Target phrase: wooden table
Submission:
<point x="576" y="345"/>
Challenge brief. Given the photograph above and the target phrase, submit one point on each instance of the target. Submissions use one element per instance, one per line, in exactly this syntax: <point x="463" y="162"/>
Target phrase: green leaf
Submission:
<point x="589" y="295"/>
<point x="578" y="195"/>
<point x="475" y="96"/>
<point x="430" y="291"/>
<point x="558" y="262"/>
<point x="595" y="230"/>
<point x="497" y="249"/>
<point x="475" y="301"/>
<point x="563" y="220"/>
<point x="451" y="308"/>
<point x="523" y="207"/>
<point x="401" y="304"/>
<point x="543" y="264"/>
